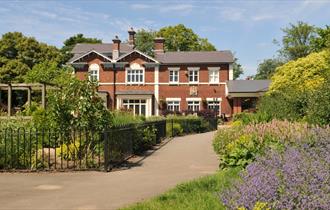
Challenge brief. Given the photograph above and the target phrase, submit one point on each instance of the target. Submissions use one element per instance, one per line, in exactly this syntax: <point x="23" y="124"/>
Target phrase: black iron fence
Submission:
<point x="34" y="150"/>
<point x="182" y="126"/>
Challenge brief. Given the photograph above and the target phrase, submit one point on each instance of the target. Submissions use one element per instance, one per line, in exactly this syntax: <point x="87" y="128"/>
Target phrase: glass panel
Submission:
<point x="143" y="109"/>
<point x="137" y="109"/>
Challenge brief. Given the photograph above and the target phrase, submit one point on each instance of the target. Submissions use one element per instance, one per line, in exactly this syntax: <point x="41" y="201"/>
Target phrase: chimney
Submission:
<point x="159" y="45"/>
<point x="131" y="37"/>
<point x="115" y="47"/>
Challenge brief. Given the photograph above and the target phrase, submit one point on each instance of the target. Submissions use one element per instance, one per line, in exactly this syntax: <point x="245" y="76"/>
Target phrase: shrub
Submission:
<point x="296" y="178"/>
<point x="143" y="138"/>
<point x="177" y="129"/>
<point x="122" y="118"/>
<point x="318" y="106"/>
<point x="68" y="151"/>
<point x="246" y="118"/>
<point x="239" y="145"/>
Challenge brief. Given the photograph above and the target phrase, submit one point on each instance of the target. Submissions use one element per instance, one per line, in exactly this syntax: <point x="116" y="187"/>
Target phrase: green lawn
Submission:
<point x="198" y="194"/>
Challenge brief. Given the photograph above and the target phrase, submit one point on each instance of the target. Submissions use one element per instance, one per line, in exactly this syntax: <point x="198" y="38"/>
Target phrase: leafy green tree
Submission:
<point x="49" y="72"/>
<point x="322" y="41"/>
<point x="237" y="69"/>
<point x="267" y="68"/>
<point x="304" y="74"/>
<point x="75" y="105"/>
<point x="205" y="45"/>
<point x="13" y="71"/>
<point x="296" y="42"/>
<point x="177" y="38"/>
<point x="72" y="41"/>
<point x="144" y="41"/>
<point x="181" y="38"/>
<point x="18" y="54"/>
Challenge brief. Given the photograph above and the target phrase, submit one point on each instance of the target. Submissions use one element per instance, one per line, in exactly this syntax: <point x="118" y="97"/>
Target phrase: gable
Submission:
<point x="136" y="55"/>
<point x="78" y="58"/>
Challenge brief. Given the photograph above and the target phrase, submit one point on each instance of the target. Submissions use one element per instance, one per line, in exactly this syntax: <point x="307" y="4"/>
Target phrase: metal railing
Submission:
<point x="77" y="149"/>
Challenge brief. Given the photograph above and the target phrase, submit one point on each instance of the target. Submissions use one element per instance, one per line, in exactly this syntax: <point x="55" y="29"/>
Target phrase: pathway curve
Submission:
<point x="182" y="159"/>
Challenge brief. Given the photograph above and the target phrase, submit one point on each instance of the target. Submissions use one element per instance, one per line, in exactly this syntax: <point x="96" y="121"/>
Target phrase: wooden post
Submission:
<point x="43" y="97"/>
<point x="29" y="96"/>
<point x="9" y="100"/>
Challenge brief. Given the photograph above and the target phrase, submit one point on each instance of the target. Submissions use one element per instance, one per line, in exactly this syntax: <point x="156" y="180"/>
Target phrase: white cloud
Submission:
<point x="140" y="6"/>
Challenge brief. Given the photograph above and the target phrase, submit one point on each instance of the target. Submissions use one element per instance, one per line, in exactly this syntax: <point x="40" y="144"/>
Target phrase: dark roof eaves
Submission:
<point x="163" y="63"/>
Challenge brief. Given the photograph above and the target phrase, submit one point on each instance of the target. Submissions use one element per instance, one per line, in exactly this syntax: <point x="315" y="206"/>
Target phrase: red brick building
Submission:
<point x="175" y="81"/>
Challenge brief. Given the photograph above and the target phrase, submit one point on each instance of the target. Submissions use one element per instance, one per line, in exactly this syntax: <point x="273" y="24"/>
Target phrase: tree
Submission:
<point x="177" y="38"/>
<point x="49" y="72"/>
<point x="144" y="41"/>
<point x="72" y="41"/>
<point x="18" y="55"/>
<point x="322" y="41"/>
<point x="304" y="74"/>
<point x="237" y="69"/>
<point x="296" y="42"/>
<point x="181" y="38"/>
<point x="267" y="68"/>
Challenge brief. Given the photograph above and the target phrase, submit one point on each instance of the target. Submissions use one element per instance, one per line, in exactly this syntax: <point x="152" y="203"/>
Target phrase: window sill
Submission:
<point x="193" y="83"/>
<point x="173" y="83"/>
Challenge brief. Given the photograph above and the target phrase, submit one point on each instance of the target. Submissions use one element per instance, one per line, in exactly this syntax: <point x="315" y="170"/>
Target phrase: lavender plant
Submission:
<point x="296" y="178"/>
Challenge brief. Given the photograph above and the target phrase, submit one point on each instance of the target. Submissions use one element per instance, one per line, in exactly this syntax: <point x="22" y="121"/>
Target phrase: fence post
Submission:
<point x="172" y="125"/>
<point x="106" y="150"/>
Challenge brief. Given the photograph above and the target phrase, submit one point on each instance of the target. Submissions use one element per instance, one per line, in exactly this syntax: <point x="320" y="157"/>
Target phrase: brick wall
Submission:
<point x="165" y="90"/>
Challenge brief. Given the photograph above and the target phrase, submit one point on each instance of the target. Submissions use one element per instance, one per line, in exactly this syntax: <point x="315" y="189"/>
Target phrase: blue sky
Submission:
<point x="245" y="27"/>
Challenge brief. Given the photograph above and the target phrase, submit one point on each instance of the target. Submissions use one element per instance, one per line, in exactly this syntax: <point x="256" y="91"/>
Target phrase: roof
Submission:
<point x="183" y="57"/>
<point x="134" y="92"/>
<point x="195" y="57"/>
<point x="248" y="86"/>
<point x="81" y="55"/>
<point x="101" y="48"/>
<point x="139" y="52"/>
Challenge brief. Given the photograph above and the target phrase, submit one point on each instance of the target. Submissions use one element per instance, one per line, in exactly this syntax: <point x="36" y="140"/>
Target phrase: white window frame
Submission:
<point x="135" y="67"/>
<point x="172" y="105"/>
<point x="212" y="100"/>
<point x="194" y="103"/>
<point x="173" y="100"/>
<point x="94" y="67"/>
<point x="193" y="70"/>
<point x="214" y="75"/>
<point x="176" y="71"/>
<point x="133" y="103"/>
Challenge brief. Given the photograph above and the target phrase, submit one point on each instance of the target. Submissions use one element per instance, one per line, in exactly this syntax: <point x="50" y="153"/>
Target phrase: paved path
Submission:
<point x="183" y="158"/>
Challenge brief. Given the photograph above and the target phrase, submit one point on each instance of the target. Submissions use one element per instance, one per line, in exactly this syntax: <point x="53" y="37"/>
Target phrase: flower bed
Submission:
<point x="296" y="178"/>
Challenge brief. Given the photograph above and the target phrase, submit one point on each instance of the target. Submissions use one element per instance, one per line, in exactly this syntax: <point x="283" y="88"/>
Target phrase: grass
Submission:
<point x="202" y="193"/>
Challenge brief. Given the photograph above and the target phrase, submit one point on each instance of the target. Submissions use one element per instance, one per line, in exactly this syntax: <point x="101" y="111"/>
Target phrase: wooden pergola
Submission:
<point x="28" y="87"/>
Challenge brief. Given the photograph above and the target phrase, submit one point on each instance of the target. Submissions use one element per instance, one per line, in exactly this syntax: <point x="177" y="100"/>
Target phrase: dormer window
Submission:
<point x="135" y="74"/>
<point x="93" y="72"/>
